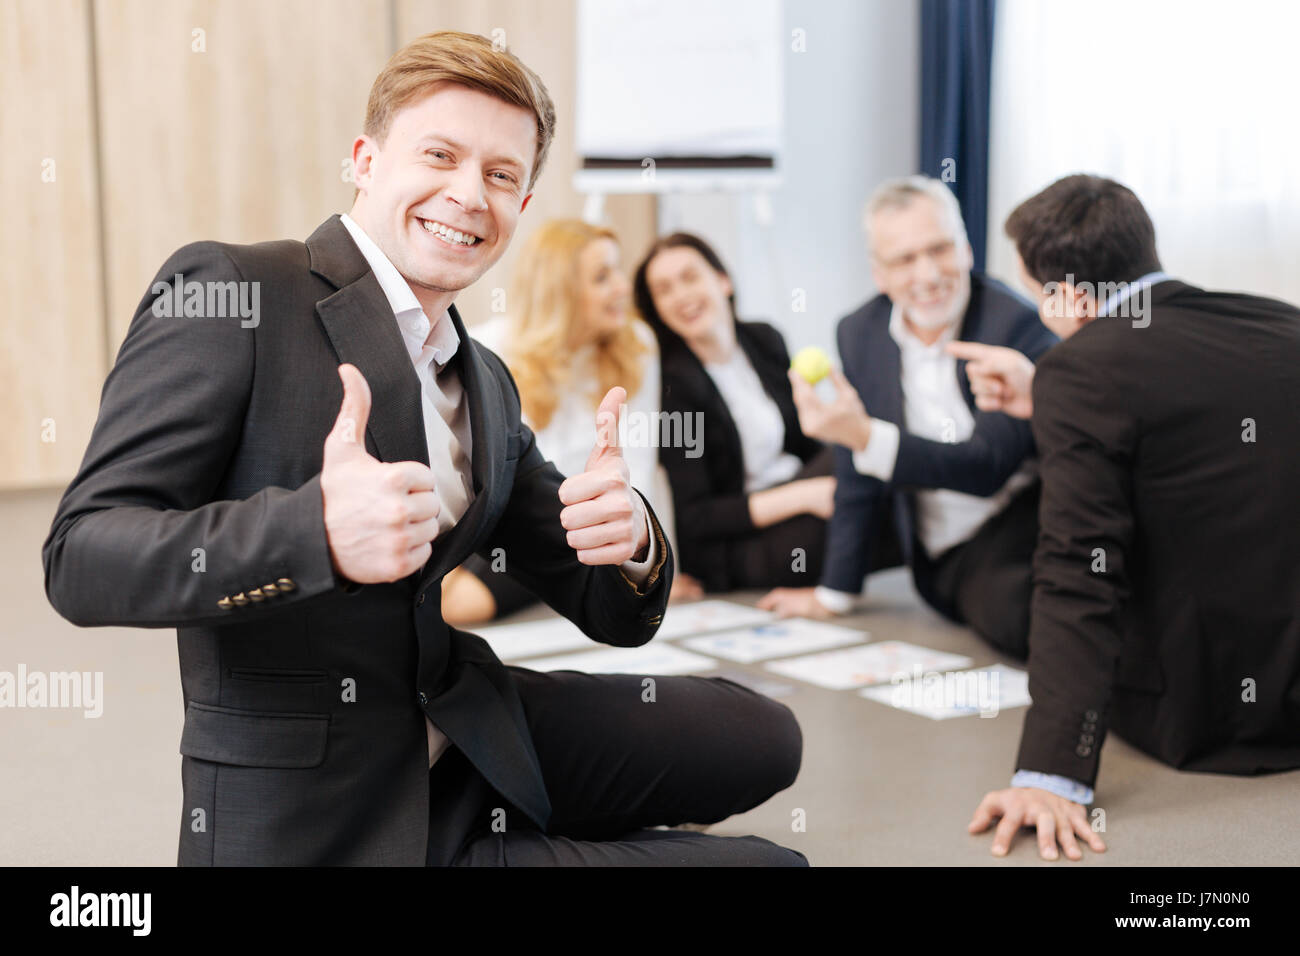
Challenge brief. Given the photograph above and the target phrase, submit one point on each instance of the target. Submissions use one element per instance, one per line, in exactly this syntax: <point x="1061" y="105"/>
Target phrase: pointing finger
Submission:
<point x="971" y="351"/>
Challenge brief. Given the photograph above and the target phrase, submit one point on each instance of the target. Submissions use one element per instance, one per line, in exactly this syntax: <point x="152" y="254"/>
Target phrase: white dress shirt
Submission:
<point x="934" y="408"/>
<point x="446" y="411"/>
<point x="758" y="422"/>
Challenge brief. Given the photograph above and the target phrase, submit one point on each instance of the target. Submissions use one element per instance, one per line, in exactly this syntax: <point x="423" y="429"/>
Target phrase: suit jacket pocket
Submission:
<point x="248" y="738"/>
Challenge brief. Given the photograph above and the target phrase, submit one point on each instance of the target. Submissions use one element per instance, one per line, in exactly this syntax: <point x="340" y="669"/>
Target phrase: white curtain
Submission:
<point x="1190" y="103"/>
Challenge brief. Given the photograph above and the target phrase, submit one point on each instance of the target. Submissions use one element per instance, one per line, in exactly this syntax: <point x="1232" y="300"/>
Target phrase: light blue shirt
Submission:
<point x="1052" y="783"/>
<point x="1130" y="289"/>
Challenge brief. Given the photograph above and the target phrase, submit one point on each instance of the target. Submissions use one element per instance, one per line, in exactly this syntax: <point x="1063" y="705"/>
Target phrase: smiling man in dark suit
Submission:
<point x="289" y="492"/>
<point x="923" y="478"/>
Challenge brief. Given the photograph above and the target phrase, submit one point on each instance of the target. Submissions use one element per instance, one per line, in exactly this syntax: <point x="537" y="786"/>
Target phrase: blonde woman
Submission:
<point x="568" y="337"/>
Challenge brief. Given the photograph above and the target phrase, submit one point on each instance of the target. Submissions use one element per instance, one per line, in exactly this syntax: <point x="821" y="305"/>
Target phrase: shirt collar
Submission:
<point x="1129" y="289"/>
<point x="411" y="320"/>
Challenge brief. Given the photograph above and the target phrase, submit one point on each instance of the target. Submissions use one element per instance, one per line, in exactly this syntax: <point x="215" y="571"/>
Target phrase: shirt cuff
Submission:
<point x="877" y="459"/>
<point x="1061" y="786"/>
<point x="639" y="571"/>
<point x="837" y="602"/>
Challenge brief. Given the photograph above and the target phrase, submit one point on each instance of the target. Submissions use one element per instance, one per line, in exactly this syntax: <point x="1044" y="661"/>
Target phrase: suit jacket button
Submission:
<point x="225" y="604"/>
<point x="286" y="584"/>
<point x="419" y="602"/>
<point x="1086" y="739"/>
<point x="1083" y="750"/>
<point x="270" y="590"/>
<point x="256" y="595"/>
<point x="424" y="698"/>
<point x="1089" y="726"/>
<point x="1090" y="715"/>
<point x="240" y="599"/>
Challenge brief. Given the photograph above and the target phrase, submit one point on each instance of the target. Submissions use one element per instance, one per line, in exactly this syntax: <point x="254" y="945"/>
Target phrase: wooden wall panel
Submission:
<point x="170" y="121"/>
<point x="241" y="142"/>
<point x="52" y="320"/>
<point x="542" y="33"/>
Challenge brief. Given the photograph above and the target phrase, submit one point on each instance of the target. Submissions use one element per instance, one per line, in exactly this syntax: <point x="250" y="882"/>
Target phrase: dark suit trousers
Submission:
<point x="989" y="580"/>
<point x="765" y="559"/>
<point x="616" y="765"/>
<point x="985" y="583"/>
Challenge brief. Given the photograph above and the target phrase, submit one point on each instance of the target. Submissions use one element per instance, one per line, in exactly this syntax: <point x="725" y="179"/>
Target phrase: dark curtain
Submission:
<point x="956" y="71"/>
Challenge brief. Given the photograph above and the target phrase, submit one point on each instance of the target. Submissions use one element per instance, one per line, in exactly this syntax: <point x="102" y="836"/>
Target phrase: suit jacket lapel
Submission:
<point x="970" y="330"/>
<point x="360" y="325"/>
<point x="488" y="456"/>
<point x="359" y="322"/>
<point x="887" y="387"/>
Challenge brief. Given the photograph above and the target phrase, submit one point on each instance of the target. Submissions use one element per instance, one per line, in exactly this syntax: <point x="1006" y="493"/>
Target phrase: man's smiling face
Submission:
<point x="441" y="195"/>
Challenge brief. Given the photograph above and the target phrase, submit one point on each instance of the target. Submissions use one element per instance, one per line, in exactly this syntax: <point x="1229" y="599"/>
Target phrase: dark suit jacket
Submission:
<point x="210" y="436"/>
<point x="1140" y="431"/>
<point x="711" y="509"/>
<point x="981" y="465"/>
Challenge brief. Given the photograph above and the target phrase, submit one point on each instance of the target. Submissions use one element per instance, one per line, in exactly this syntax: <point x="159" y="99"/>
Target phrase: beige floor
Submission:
<point x="878" y="786"/>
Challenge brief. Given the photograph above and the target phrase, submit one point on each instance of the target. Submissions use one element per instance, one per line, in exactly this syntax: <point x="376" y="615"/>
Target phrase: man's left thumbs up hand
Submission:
<point x="605" y="519"/>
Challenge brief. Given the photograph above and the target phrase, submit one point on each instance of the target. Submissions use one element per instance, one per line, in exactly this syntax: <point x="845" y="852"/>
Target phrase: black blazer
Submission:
<point x="211" y="436"/>
<point x="711" y="509"/>
<point x="1144" y="466"/>
<point x="978" y="466"/>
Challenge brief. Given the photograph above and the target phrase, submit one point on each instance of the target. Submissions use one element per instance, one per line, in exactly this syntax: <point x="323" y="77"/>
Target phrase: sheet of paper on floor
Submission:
<point x="556" y="635"/>
<point x="701" y="617"/>
<point x="775" y="639"/>
<point x="528" y="639"/>
<point x="650" y="659"/>
<point x="986" y="691"/>
<point x="869" y="664"/>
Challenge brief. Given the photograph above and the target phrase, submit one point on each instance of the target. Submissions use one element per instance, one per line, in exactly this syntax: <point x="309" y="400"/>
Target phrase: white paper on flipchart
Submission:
<point x="1009" y="690"/>
<point x="652" y="658"/>
<point x="775" y="639"/>
<point x="679" y="78"/>
<point x="869" y="664"/>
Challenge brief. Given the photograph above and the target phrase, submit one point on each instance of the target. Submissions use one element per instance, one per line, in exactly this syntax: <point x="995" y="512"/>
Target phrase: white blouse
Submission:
<point x="758" y="421"/>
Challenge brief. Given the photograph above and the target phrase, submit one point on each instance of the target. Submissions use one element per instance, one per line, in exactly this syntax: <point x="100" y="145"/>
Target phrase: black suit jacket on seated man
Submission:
<point x="865" y="506"/>
<point x="1167" y="576"/>
<point x="210" y="436"/>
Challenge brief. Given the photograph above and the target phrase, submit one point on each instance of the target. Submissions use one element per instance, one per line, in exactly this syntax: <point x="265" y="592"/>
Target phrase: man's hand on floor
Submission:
<point x="1056" y="819"/>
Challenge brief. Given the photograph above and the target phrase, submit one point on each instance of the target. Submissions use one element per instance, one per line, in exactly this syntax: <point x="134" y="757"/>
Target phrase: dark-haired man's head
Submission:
<point x="1078" y="241"/>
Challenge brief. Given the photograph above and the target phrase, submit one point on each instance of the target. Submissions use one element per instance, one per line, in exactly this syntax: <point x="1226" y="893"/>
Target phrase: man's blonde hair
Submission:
<point x="466" y="59"/>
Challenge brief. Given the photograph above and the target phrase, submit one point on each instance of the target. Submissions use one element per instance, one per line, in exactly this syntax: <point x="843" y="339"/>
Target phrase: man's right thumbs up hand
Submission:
<point x="380" y="517"/>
